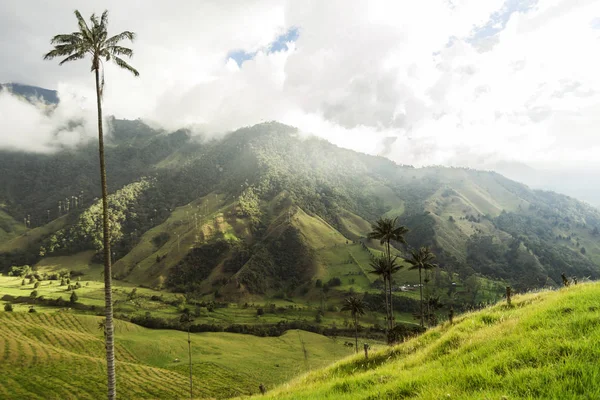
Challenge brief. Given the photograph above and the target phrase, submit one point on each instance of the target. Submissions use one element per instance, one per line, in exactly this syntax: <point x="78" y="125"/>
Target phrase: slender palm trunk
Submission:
<point x="387" y="307"/>
<point x="190" y="360"/>
<point x="427" y="298"/>
<point x="391" y="303"/>
<point x="421" y="291"/>
<point x="108" y="305"/>
<point x="356" y="334"/>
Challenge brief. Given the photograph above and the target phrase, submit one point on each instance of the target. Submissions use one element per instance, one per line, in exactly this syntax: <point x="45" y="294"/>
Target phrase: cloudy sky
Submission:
<point x="452" y="82"/>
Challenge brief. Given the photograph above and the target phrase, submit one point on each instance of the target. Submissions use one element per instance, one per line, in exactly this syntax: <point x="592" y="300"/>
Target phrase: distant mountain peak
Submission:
<point x="32" y="93"/>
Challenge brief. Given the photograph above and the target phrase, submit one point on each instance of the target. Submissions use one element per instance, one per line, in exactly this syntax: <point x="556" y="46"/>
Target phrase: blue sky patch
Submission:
<point x="499" y="19"/>
<point x="279" y="44"/>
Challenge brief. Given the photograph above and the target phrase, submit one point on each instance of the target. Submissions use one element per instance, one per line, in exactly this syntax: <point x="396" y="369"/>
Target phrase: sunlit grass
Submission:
<point x="545" y="346"/>
<point x="57" y="354"/>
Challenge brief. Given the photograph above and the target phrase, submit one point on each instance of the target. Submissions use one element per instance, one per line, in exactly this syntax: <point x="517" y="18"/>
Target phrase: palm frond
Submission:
<point x="421" y="259"/>
<point x="99" y="28"/>
<point x="355" y="305"/>
<point x="83" y="27"/>
<point x="66" y="38"/>
<point x="126" y="66"/>
<point x="379" y="266"/>
<point x="73" y="57"/>
<point x="112" y="41"/>
<point x="104" y="19"/>
<point x="105" y="54"/>
<point x="94" y="21"/>
<point x="120" y="51"/>
<point x="60" y="52"/>
<point x="393" y="266"/>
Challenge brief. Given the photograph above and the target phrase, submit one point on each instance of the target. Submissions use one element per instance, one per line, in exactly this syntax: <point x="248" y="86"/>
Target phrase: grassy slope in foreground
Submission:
<point x="59" y="355"/>
<point x="546" y="346"/>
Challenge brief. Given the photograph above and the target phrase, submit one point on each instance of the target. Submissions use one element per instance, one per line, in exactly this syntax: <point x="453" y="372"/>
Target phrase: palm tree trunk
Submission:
<point x="356" y="334"/>
<point x="427" y="298"/>
<point x="108" y="304"/>
<point x="421" y="290"/>
<point x="190" y="360"/>
<point x="387" y="307"/>
<point x="391" y="304"/>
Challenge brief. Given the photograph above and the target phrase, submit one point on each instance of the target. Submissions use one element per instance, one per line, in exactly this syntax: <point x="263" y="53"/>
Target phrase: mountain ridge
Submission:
<point x="246" y="207"/>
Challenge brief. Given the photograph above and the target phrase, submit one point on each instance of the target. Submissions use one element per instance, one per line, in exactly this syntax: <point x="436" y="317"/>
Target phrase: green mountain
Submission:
<point x="265" y="210"/>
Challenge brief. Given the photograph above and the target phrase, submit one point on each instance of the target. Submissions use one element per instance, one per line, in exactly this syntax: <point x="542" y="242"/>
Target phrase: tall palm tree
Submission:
<point x="95" y="42"/>
<point x="421" y="259"/>
<point x="357" y="308"/>
<point x="386" y="230"/>
<point x="392" y="268"/>
<point x="380" y="268"/>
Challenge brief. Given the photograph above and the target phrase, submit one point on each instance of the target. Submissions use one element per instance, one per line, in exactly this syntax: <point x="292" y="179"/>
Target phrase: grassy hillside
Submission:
<point x="9" y="228"/>
<point x="545" y="346"/>
<point x="59" y="355"/>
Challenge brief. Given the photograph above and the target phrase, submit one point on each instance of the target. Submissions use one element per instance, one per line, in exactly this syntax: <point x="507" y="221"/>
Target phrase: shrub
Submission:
<point x="335" y="281"/>
<point x="37" y="285"/>
<point x="73" y="299"/>
<point x="31" y="309"/>
<point x="8" y="307"/>
<point x="33" y="294"/>
<point x="260" y="311"/>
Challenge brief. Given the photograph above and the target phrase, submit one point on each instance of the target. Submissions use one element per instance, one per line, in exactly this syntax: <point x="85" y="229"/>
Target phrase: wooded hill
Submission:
<point x="265" y="209"/>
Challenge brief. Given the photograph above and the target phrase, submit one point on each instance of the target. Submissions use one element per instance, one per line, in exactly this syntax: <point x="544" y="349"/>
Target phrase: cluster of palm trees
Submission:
<point x="93" y="41"/>
<point x="387" y="231"/>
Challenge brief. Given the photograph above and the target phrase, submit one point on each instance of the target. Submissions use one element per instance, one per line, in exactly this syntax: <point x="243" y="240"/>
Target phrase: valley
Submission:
<point x="264" y="234"/>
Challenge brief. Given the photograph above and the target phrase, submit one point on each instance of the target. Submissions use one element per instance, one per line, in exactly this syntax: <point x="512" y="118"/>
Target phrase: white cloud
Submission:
<point x="423" y="72"/>
<point x="41" y="128"/>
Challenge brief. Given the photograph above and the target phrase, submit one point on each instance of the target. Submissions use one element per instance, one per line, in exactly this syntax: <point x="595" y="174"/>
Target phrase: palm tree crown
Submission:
<point x="385" y="230"/>
<point x="357" y="308"/>
<point x="382" y="267"/>
<point x="94" y="42"/>
<point x="355" y="305"/>
<point x="421" y="259"/>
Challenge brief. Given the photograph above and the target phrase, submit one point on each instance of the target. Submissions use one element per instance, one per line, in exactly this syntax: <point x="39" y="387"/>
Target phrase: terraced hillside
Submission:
<point x="545" y="346"/>
<point x="61" y="356"/>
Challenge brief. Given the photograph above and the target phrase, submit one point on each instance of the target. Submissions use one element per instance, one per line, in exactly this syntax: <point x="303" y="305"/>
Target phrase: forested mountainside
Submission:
<point x="264" y="208"/>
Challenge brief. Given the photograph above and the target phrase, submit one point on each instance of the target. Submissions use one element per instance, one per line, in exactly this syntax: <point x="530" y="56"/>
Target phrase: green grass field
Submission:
<point x="545" y="346"/>
<point x="59" y="355"/>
